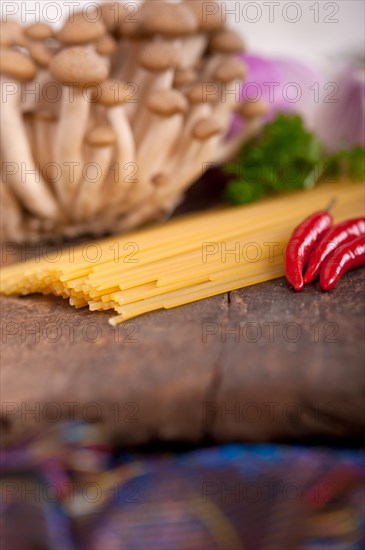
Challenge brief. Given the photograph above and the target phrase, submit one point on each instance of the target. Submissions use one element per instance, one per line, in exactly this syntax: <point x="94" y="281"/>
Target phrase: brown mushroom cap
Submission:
<point x="133" y="30"/>
<point x="113" y="92"/>
<point x="80" y="30"/>
<point x="160" y="179"/>
<point x="112" y="13"/>
<point x="16" y="65"/>
<point x="206" y="128"/>
<point x="38" y="31"/>
<point x="132" y="26"/>
<point x="159" y="56"/>
<point x="167" y="103"/>
<point x="231" y="69"/>
<point x="101" y="136"/>
<point x="209" y="14"/>
<point x="204" y="92"/>
<point x="170" y="20"/>
<point x="11" y="33"/>
<point x="106" y="45"/>
<point x="200" y="64"/>
<point x="78" y="66"/>
<point x="184" y="77"/>
<point x="252" y="109"/>
<point x="40" y="53"/>
<point x="227" y="42"/>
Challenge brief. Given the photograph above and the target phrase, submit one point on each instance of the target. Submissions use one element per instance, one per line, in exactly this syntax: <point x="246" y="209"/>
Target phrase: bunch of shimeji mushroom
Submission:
<point x="106" y="122"/>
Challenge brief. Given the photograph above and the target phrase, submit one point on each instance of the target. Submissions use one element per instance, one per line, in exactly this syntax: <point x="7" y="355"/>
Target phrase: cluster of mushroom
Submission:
<point x="106" y="122"/>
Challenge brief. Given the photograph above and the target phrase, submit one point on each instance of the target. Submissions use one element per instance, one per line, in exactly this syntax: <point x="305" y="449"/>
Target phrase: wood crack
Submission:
<point x="212" y="391"/>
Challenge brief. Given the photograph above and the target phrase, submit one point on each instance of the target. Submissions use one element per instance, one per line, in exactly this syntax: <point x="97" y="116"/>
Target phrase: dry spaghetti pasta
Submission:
<point x="182" y="261"/>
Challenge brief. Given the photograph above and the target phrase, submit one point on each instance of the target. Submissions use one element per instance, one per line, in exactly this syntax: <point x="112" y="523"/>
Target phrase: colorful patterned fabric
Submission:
<point x="69" y="489"/>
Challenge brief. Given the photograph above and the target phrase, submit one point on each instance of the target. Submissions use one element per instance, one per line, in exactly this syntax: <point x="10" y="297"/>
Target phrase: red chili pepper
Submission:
<point x="336" y="236"/>
<point x="301" y="244"/>
<point x="344" y="258"/>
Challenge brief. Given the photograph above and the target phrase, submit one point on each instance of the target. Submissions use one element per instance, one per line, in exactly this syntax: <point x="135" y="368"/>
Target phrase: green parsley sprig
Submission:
<point x="286" y="156"/>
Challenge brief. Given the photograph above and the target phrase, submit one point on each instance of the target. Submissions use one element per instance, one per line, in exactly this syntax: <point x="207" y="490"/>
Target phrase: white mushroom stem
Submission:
<point x="120" y="57"/>
<point x="156" y="148"/>
<point x="26" y="182"/>
<point x="167" y="195"/>
<point x="212" y="65"/>
<point x="191" y="167"/>
<point x="134" y="38"/>
<point x="197" y="112"/>
<point x="167" y="108"/>
<point x="232" y="146"/>
<point x="112" y="100"/>
<point x="253" y="113"/>
<point x="134" y="107"/>
<point x="150" y="150"/>
<point x="36" y="94"/>
<point x="160" y="81"/>
<point x="126" y="151"/>
<point x="230" y="98"/>
<point x="193" y="49"/>
<point x="44" y="129"/>
<point x="11" y="215"/>
<point x="189" y="157"/>
<point x="142" y="124"/>
<point x="69" y="137"/>
<point x="32" y="92"/>
<point x="129" y="65"/>
<point x="141" y="117"/>
<point x="137" y="111"/>
<point x="88" y="201"/>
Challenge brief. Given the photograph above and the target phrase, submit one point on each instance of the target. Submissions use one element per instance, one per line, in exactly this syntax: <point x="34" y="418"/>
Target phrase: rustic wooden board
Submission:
<point x="260" y="363"/>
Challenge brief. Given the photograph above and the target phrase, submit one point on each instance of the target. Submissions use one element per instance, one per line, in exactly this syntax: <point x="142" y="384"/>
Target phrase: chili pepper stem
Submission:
<point x="314" y="175"/>
<point x="331" y="204"/>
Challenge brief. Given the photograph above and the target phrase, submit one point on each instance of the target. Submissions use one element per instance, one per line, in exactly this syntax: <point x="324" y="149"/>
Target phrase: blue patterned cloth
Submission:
<point x="70" y="489"/>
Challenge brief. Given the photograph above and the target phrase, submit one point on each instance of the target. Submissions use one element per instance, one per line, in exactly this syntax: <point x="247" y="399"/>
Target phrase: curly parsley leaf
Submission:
<point x="286" y="156"/>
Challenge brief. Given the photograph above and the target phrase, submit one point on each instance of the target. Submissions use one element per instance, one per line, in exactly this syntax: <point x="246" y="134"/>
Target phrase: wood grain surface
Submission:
<point x="262" y="363"/>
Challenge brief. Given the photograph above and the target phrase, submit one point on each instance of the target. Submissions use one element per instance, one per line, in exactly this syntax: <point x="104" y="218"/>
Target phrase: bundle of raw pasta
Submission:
<point x="108" y="121"/>
<point x="183" y="260"/>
